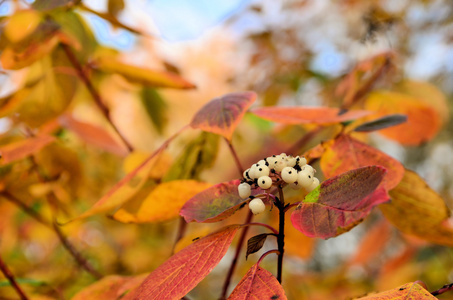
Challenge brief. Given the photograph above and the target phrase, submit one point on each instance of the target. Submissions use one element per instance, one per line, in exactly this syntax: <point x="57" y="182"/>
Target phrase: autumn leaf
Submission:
<point x="214" y="204"/>
<point x="418" y="210"/>
<point x="347" y="153"/>
<point x="142" y="75"/>
<point x="412" y="291"/>
<point x="423" y="121"/>
<point x="94" y="135"/>
<point x="255" y="243"/>
<point x="164" y="202"/>
<point x="21" y="149"/>
<point x="222" y="115"/>
<point x="258" y="283"/>
<point x="340" y="203"/>
<point x="308" y="115"/>
<point x="21" y="24"/>
<point x="109" y="287"/>
<point x="185" y="269"/>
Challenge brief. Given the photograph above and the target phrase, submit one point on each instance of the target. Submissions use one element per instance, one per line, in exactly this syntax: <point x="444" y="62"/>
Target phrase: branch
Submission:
<point x="281" y="233"/>
<point x="236" y="256"/>
<point x="61" y="236"/>
<point x="444" y="289"/>
<point x="94" y="94"/>
<point x="236" y="158"/>
<point x="12" y="280"/>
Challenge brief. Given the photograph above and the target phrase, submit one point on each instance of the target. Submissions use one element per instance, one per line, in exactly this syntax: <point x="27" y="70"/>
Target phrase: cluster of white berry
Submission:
<point x="276" y="169"/>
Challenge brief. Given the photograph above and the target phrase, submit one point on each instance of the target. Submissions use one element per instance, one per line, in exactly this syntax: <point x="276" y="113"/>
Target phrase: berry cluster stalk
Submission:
<point x="280" y="203"/>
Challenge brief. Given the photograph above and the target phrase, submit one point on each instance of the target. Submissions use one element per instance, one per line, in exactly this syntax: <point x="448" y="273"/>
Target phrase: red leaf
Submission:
<point x="347" y="153"/>
<point x="258" y="283"/>
<point x="184" y="270"/>
<point x="307" y="115"/>
<point x="340" y="203"/>
<point x="222" y="115"/>
<point x="93" y="135"/>
<point x="215" y="203"/>
<point x="21" y="149"/>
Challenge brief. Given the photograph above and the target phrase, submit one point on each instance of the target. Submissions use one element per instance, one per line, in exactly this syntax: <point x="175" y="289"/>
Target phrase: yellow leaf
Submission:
<point x="418" y="210"/>
<point x="161" y="163"/>
<point x="164" y="202"/>
<point x="21" y="25"/>
<point x="408" y="291"/>
<point x="142" y="75"/>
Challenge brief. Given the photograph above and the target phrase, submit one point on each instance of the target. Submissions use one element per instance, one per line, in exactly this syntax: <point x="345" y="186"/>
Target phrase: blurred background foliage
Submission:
<point x="71" y="69"/>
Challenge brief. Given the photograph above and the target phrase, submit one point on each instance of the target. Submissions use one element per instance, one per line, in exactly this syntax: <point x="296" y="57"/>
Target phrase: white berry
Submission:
<point x="295" y="186"/>
<point x="308" y="168"/>
<point x="290" y="161"/>
<point x="252" y="171"/>
<point x="244" y="190"/>
<point x="313" y="185"/>
<point x="264" y="182"/>
<point x="289" y="175"/>
<point x="246" y="174"/>
<point x="305" y="178"/>
<point x="272" y="160"/>
<point x="302" y="161"/>
<point x="261" y="162"/>
<point x="257" y="206"/>
<point x="261" y="170"/>
<point x="279" y="165"/>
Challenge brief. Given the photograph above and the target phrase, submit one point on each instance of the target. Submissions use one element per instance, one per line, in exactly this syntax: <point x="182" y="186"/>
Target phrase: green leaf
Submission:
<point x="156" y="107"/>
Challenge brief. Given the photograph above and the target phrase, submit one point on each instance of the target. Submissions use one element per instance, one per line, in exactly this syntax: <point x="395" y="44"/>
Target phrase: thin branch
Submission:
<point x="236" y="256"/>
<point x="444" y="289"/>
<point x="266" y="254"/>
<point x="94" y="94"/>
<point x="12" y="280"/>
<point x="281" y="233"/>
<point x="235" y="156"/>
<point x="264" y="225"/>
<point x="61" y="236"/>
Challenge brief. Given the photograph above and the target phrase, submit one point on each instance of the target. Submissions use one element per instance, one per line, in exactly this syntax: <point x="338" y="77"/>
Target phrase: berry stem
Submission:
<point x="236" y="256"/>
<point x="266" y="254"/>
<point x="235" y="156"/>
<point x="281" y="233"/>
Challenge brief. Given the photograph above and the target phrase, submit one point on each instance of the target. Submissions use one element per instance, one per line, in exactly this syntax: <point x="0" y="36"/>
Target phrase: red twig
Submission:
<point x="12" y="280"/>
<point x="444" y="289"/>
<point x="264" y="225"/>
<point x="236" y="158"/>
<point x="236" y="256"/>
<point x="281" y="233"/>
<point x="94" y="94"/>
<point x="266" y="254"/>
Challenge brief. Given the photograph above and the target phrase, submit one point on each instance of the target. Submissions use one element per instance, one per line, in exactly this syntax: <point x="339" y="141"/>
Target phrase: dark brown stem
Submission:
<point x="181" y="231"/>
<point x="12" y="280"/>
<point x="236" y="256"/>
<point x="444" y="289"/>
<point x="94" y="94"/>
<point x="63" y="239"/>
<point x="281" y="233"/>
<point x="235" y="156"/>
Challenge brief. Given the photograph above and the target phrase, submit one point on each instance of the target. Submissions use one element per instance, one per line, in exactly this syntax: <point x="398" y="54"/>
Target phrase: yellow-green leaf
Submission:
<point x="21" y="24"/>
<point x="164" y="202"/>
<point x="418" y="210"/>
<point x="408" y="291"/>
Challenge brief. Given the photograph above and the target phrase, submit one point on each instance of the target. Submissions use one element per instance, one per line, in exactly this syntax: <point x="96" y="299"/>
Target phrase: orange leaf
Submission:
<point x="109" y="287"/>
<point x="372" y="244"/>
<point x="347" y="153"/>
<point x="407" y="291"/>
<point x="94" y="135"/>
<point x="21" y="24"/>
<point x="142" y="75"/>
<point x="185" y="269"/>
<point x="258" y="283"/>
<point x="307" y="115"/>
<point x="21" y="149"/>
<point x="423" y="121"/>
<point x="222" y="115"/>
<point x="418" y="210"/>
<point x="164" y="202"/>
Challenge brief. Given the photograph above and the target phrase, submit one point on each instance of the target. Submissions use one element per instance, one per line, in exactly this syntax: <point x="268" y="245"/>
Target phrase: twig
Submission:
<point x="266" y="254"/>
<point x="12" y="280"/>
<point x="264" y="225"/>
<point x="236" y="256"/>
<point x="94" y="94"/>
<point x="445" y="288"/>
<point x="63" y="239"/>
<point x="281" y="233"/>
<point x="236" y="158"/>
